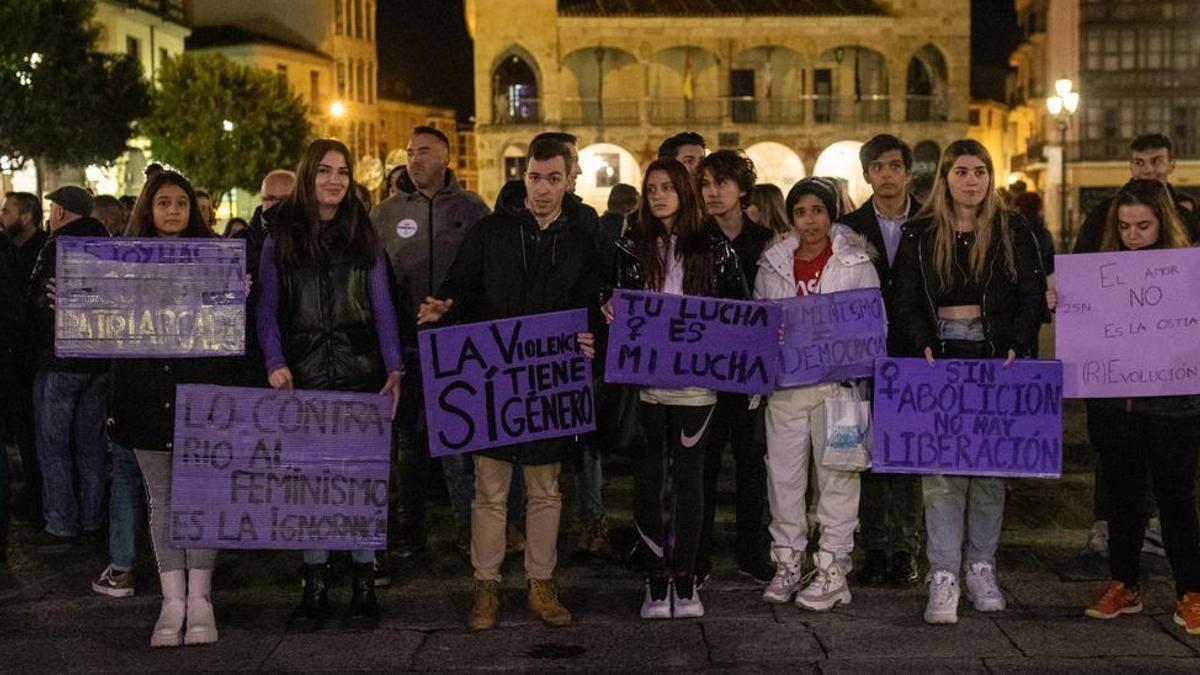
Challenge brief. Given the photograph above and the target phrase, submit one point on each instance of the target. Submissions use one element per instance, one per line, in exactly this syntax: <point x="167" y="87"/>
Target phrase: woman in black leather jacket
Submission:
<point x="668" y="250"/>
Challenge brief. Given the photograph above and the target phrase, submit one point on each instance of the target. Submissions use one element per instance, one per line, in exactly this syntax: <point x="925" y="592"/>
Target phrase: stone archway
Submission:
<point x="602" y="166"/>
<point x="840" y="160"/>
<point x="776" y="164"/>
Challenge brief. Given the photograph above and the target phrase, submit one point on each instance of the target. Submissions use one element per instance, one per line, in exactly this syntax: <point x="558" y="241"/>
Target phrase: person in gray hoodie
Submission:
<point x="422" y="227"/>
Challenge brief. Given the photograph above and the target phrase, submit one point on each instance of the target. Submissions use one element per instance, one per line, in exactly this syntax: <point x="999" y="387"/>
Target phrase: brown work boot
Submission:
<point x="486" y="606"/>
<point x="543" y="601"/>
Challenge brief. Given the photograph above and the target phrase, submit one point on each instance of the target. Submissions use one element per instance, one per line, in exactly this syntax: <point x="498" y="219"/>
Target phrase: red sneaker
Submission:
<point x="1118" y="599"/>
<point x="1187" y="613"/>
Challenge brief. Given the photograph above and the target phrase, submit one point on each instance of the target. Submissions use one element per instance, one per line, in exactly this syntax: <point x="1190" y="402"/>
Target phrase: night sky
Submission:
<point x="425" y="54"/>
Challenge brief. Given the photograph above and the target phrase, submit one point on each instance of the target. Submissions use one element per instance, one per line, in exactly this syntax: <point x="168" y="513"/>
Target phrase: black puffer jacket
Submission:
<point x="41" y="312"/>
<point x="1012" y="307"/>
<point x="326" y="320"/>
<point x="508" y="267"/>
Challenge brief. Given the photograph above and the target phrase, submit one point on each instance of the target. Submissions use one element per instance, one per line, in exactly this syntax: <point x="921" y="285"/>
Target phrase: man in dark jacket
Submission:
<point x="536" y="261"/>
<point x="70" y="395"/>
<point x="422" y="227"/>
<point x="21" y="218"/>
<point x="512" y="195"/>
<point x="891" y="506"/>
<point x="725" y="178"/>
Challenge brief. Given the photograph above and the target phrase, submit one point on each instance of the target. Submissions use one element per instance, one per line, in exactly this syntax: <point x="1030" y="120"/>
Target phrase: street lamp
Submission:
<point x="1061" y="107"/>
<point x="337" y="109"/>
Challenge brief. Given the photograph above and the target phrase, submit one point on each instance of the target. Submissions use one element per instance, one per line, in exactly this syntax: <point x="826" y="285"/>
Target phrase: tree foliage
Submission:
<point x="196" y="98"/>
<point x="60" y="99"/>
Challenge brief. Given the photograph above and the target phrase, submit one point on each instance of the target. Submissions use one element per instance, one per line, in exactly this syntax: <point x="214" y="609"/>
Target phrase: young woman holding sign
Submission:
<point x="142" y="423"/>
<point x="1157" y="435"/>
<point x="817" y="257"/>
<point x="969" y="285"/>
<point x="667" y="250"/>
<point x="326" y="321"/>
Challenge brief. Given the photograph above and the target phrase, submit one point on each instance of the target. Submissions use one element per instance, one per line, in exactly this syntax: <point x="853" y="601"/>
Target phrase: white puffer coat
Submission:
<point x="850" y="268"/>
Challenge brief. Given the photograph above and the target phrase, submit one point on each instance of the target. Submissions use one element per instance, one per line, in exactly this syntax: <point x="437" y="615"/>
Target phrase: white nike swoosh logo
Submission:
<point x="691" y="441"/>
<point x="654" y="548"/>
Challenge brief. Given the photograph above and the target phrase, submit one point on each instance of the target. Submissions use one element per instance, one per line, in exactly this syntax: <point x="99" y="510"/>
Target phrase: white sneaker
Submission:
<point x="942" y="606"/>
<point x="783" y="586"/>
<point x="1152" y="541"/>
<point x="687" y="608"/>
<point x="982" y="589"/>
<point x="1097" y="543"/>
<point x="828" y="588"/>
<point x="657" y="608"/>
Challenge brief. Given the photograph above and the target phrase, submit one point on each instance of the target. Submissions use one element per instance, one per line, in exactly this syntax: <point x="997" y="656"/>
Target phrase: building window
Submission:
<point x="370" y="29"/>
<point x="358" y="19"/>
<point x="341" y="79"/>
<point x="314" y="91"/>
<point x="973" y="117"/>
<point x="371" y="83"/>
<point x="360" y="89"/>
<point x="339" y="17"/>
<point x="133" y="47"/>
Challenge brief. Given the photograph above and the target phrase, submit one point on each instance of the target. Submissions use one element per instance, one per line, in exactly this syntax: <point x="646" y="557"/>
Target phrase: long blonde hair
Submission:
<point x="1152" y="193"/>
<point x="989" y="216"/>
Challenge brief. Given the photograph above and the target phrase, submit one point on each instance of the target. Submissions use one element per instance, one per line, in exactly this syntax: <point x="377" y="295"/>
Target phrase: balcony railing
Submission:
<point x="516" y="110"/>
<point x="597" y="112"/>
<point x="829" y="109"/>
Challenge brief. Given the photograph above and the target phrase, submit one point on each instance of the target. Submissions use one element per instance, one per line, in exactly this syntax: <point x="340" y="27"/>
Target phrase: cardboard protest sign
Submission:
<point x="497" y="383"/>
<point x="1128" y="323"/>
<point x="969" y="417"/>
<point x="155" y="297"/>
<point x="676" y="341"/>
<point x="265" y="469"/>
<point x="831" y="337"/>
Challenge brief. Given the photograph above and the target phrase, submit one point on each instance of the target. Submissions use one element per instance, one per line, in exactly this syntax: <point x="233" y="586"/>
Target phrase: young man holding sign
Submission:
<point x="535" y="261"/>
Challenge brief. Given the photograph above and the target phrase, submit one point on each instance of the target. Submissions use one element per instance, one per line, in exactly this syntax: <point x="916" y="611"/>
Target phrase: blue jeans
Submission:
<point x="589" y="480"/>
<point x="126" y="508"/>
<point x="958" y="508"/>
<point x="361" y="556"/>
<point x="70" y="411"/>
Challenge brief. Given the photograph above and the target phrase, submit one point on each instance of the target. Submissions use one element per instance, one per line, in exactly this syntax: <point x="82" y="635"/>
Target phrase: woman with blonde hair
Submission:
<point x="969" y="285"/>
<point x="767" y="209"/>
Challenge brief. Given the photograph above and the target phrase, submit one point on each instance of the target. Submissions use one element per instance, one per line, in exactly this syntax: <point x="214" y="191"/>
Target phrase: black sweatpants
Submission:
<point x="676" y="438"/>
<point x="1165" y="448"/>
<point x="742" y="429"/>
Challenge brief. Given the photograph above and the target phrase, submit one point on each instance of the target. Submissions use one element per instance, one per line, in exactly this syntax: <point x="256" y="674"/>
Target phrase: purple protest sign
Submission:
<point x="497" y="383"/>
<point x="265" y="469"/>
<point x="831" y="337"/>
<point x="968" y="418"/>
<point x="1128" y="323"/>
<point x="156" y="297"/>
<point x="664" y="340"/>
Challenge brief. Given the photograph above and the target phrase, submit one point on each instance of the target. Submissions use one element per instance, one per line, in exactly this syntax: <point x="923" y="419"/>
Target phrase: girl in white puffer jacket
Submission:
<point x="816" y="258"/>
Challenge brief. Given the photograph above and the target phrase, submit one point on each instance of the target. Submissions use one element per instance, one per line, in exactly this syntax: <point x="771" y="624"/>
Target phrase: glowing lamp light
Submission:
<point x="227" y="125"/>
<point x="1062" y="87"/>
<point x="337" y="109"/>
<point x="1071" y="101"/>
<point x="1054" y="105"/>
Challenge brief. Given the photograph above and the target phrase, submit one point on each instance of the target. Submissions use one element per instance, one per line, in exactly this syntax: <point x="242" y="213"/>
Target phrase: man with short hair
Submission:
<point x="891" y="506"/>
<point x="422" y="225"/>
<point x="70" y="395"/>
<point x="687" y="146"/>
<point x="535" y="261"/>
<point x="109" y="211"/>
<point x="21" y="220"/>
<point x="726" y="178"/>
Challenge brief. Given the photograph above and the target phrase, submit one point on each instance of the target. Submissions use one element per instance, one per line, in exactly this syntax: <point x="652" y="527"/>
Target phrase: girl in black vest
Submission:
<point x="326" y="321"/>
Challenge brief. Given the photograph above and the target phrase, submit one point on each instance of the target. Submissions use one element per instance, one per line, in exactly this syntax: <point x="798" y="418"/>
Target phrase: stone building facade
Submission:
<point x="797" y="83"/>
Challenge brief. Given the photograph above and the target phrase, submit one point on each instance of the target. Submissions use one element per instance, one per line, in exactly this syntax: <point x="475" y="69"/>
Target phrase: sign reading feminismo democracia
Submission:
<point x="831" y="337"/>
<point x="265" y="469"/>
<point x="968" y="417"/>
<point x="497" y="383"/>
<point x="673" y="341"/>
<point x="155" y="297"/>
<point x="1128" y="323"/>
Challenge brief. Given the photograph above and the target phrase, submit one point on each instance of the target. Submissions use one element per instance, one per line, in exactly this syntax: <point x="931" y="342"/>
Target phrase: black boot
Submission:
<point x="363" y="613"/>
<point x="314" y="604"/>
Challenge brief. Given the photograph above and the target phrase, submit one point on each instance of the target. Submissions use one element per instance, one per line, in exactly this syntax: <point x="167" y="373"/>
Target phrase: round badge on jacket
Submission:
<point x="406" y="228"/>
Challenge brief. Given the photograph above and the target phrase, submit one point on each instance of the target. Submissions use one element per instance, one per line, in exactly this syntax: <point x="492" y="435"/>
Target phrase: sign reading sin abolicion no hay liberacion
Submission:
<point x="497" y="383"/>
<point x="1128" y="323"/>
<point x="157" y="297"/>
<point x="968" y="417"/>
<point x="265" y="469"/>
<point x="670" y="341"/>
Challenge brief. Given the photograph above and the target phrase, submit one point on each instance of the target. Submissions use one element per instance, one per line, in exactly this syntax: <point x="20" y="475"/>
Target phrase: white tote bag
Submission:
<point x="847" y="431"/>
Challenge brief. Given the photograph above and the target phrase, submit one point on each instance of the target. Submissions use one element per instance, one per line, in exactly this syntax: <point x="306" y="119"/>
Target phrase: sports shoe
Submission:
<point x="382" y="574"/>
<point x="828" y="588"/>
<point x="982" y="589"/>
<point x="903" y="572"/>
<point x="784" y="584"/>
<point x="685" y="598"/>
<point x="1152" y="541"/>
<point x="657" y="603"/>
<point x="595" y="541"/>
<point x="114" y="583"/>
<point x="1118" y="599"/>
<point x="1097" y="542"/>
<point x="1187" y="613"/>
<point x="942" y="607"/>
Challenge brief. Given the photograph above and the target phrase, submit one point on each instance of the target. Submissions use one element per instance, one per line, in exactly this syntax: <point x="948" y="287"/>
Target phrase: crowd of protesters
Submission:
<point x="964" y="269"/>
